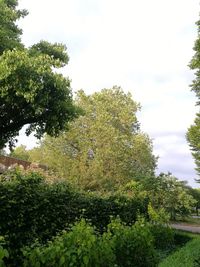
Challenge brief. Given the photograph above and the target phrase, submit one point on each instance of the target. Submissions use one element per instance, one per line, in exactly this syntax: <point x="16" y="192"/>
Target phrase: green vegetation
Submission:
<point x="167" y="192"/>
<point x="193" y="135"/>
<point x="31" y="92"/>
<point x="10" y="32"/>
<point x="119" y="246"/>
<point x="102" y="149"/>
<point x="32" y="208"/>
<point x="35" y="209"/>
<point x="100" y="203"/>
<point x="186" y="256"/>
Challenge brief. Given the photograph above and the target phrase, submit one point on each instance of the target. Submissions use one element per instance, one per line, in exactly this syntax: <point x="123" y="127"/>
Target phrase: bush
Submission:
<point x="99" y="210"/>
<point x="120" y="246"/>
<point x="32" y="209"/>
<point x="78" y="247"/>
<point x="133" y="245"/>
<point x="163" y="236"/>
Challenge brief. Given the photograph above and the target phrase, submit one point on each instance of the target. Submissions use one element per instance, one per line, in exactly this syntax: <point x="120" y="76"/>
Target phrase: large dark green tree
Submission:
<point x="193" y="134"/>
<point x="31" y="91"/>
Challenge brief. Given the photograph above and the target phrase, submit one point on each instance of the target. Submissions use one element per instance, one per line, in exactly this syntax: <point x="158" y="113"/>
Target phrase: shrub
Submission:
<point x="78" y="247"/>
<point x="133" y="245"/>
<point x="32" y="209"/>
<point x="120" y="246"/>
<point x="163" y="236"/>
<point x="3" y="252"/>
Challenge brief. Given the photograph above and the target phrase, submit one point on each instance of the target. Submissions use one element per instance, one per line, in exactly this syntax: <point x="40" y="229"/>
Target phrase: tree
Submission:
<point x="166" y="191"/>
<point x="195" y="193"/>
<point x="31" y="91"/>
<point x="193" y="134"/>
<point x="9" y="31"/>
<point x="104" y="148"/>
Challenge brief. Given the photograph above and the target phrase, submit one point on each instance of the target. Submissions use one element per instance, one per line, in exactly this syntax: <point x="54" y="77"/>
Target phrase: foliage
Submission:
<point x="163" y="236"/>
<point x="34" y="209"/>
<point x="193" y="134"/>
<point x="195" y="193"/>
<point x="162" y="233"/>
<point x="158" y="216"/>
<point x="193" y="137"/>
<point x="3" y="252"/>
<point x="186" y="256"/>
<point x="120" y="246"/>
<point x="78" y="247"/>
<point x="10" y="32"/>
<point x="166" y="191"/>
<point x="133" y="245"/>
<point x="20" y="152"/>
<point x="181" y="237"/>
<point x="31" y="91"/>
<point x="104" y="148"/>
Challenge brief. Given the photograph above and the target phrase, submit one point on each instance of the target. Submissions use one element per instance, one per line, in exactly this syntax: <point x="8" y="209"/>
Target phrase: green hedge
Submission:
<point x="31" y="209"/>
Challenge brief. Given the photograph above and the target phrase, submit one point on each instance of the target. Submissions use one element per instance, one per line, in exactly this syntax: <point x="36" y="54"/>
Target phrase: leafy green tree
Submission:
<point x="166" y="191"/>
<point x="104" y="148"/>
<point x="195" y="193"/>
<point x="193" y="134"/>
<point x="9" y="31"/>
<point x="31" y="91"/>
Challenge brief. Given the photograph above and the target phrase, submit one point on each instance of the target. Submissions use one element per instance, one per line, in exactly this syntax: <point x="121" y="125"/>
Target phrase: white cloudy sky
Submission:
<point x="141" y="45"/>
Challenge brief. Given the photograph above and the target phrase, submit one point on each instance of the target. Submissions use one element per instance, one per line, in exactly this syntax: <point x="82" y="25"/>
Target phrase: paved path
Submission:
<point x="186" y="227"/>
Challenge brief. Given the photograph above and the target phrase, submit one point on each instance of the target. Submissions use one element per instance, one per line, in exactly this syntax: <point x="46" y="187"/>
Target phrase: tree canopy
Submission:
<point x="31" y="91"/>
<point x="9" y="31"/>
<point x="193" y="134"/>
<point x="103" y="148"/>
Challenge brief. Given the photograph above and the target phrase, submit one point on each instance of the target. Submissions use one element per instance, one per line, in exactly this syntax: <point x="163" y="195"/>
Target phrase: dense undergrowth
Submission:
<point x="51" y="224"/>
<point x="32" y="209"/>
<point x="188" y="256"/>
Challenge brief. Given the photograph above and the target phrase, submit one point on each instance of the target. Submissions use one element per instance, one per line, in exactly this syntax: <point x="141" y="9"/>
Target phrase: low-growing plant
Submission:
<point x="163" y="236"/>
<point x="3" y="252"/>
<point x="120" y="245"/>
<point x="133" y="245"/>
<point x="185" y="256"/>
<point x="78" y="247"/>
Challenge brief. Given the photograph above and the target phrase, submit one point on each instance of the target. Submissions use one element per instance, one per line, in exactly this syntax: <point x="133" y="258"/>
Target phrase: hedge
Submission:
<point x="32" y="209"/>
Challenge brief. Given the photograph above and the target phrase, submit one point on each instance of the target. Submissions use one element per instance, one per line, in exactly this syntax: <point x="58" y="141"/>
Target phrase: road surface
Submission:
<point x="186" y="227"/>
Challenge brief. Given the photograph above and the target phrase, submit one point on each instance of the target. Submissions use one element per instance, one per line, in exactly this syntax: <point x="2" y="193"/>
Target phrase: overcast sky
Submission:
<point x="141" y="45"/>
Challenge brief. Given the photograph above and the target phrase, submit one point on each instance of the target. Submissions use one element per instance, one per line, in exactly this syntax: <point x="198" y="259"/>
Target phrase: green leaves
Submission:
<point x="33" y="209"/>
<point x="9" y="31"/>
<point x="32" y="93"/>
<point x="104" y="148"/>
<point x="56" y="51"/>
<point x="193" y="133"/>
<point x="119" y="246"/>
<point x="171" y="194"/>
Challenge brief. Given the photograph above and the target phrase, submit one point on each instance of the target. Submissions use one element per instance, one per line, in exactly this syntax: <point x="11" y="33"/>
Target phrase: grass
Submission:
<point x="187" y="256"/>
<point x="180" y="239"/>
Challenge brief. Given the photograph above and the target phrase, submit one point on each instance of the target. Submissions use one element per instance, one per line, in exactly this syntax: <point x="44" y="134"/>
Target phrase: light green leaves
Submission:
<point x="104" y="148"/>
